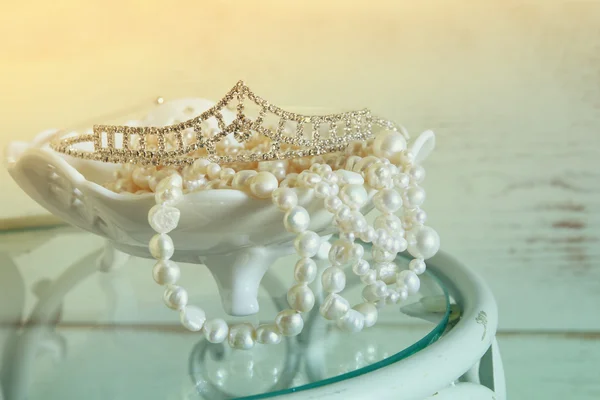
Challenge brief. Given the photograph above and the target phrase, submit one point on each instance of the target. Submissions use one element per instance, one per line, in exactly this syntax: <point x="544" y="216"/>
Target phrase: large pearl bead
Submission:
<point x="369" y="312"/>
<point x="334" y="306"/>
<point x="386" y="271"/>
<point x="301" y="298"/>
<point x="284" y="198"/>
<point x="340" y="252"/>
<point x="161" y="246"/>
<point x="410" y="280"/>
<point x="307" y="244"/>
<point x="415" y="196"/>
<point x="305" y="270"/>
<point x="417" y="266"/>
<point x="192" y="318"/>
<point x="333" y="280"/>
<point x="423" y="243"/>
<point x="163" y="219"/>
<point x="354" y="196"/>
<point x="361" y="267"/>
<point x="289" y="322"/>
<point x="268" y="334"/>
<point x="369" y="278"/>
<point x="216" y="330"/>
<point x="296" y="220"/>
<point x="241" y="336"/>
<point x="263" y="184"/>
<point x="375" y="291"/>
<point x="352" y="322"/>
<point x="387" y="201"/>
<point x="389" y="145"/>
<point x="175" y="297"/>
<point x="166" y="272"/>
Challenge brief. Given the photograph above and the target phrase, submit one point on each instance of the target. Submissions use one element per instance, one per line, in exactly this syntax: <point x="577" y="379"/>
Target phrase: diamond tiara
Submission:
<point x="295" y="135"/>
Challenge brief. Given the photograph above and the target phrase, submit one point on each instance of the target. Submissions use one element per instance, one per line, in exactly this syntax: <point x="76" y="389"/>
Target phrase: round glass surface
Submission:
<point x="68" y="331"/>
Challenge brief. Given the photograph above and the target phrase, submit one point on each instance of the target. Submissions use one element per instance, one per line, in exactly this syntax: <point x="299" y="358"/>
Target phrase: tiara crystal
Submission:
<point x="288" y="136"/>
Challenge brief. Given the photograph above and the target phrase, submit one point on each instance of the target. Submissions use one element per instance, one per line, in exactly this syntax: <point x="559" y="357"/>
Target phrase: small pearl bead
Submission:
<point x="340" y="252"/>
<point x="284" y="198"/>
<point x="370" y="277"/>
<point x="369" y="312"/>
<point x="361" y="267"/>
<point x="420" y="217"/>
<point x="307" y="244"/>
<point x="354" y="196"/>
<point x="173" y="179"/>
<point x="380" y="255"/>
<point x="410" y="280"/>
<point x="141" y="177"/>
<point x="165" y="272"/>
<point x="393" y="297"/>
<point x="382" y="237"/>
<point x="375" y="291"/>
<point x="279" y="173"/>
<point x="352" y="322"/>
<point x="423" y="243"/>
<point x="358" y="222"/>
<point x="351" y="162"/>
<point x="331" y="177"/>
<point x="368" y="235"/>
<point x="322" y="190"/>
<point x="215" y="330"/>
<point x="199" y="166"/>
<point x="163" y="219"/>
<point x="333" y="280"/>
<point x="379" y="176"/>
<point x="362" y="165"/>
<point x="417" y="266"/>
<point x="401" y="181"/>
<point x="175" y="297"/>
<point x="168" y="196"/>
<point x="263" y="184"/>
<point x="301" y="298"/>
<point x="241" y="179"/>
<point x="415" y="196"/>
<point x="417" y="173"/>
<point x="386" y="271"/>
<point x="333" y="204"/>
<point x="343" y="213"/>
<point x="358" y="251"/>
<point x="241" y="336"/>
<point x="348" y="236"/>
<point x="402" y="293"/>
<point x="192" y="318"/>
<point x="389" y="145"/>
<point x="389" y="223"/>
<point x="334" y="307"/>
<point x="161" y="246"/>
<point x="334" y="189"/>
<point x="387" y="201"/>
<point x="305" y="270"/>
<point x="268" y="334"/>
<point x="213" y="170"/>
<point x="289" y="322"/>
<point x="296" y="220"/>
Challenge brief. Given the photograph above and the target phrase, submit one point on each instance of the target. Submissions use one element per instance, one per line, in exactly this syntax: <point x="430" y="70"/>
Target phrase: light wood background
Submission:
<point x="512" y="89"/>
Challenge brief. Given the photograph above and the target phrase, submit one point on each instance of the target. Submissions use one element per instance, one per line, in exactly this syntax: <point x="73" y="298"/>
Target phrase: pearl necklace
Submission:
<point x="394" y="177"/>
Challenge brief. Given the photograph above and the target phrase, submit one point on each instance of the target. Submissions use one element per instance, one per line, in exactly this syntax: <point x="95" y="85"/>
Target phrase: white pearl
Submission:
<point x="334" y="189"/>
<point x="333" y="280"/>
<point x="331" y="177"/>
<point x="370" y="277"/>
<point x="358" y="251"/>
<point x="386" y="271"/>
<point x="301" y="298"/>
<point x="389" y="223"/>
<point x="354" y="196"/>
<point x="343" y="213"/>
<point x="227" y="174"/>
<point x="417" y="266"/>
<point x="215" y="330"/>
<point x="334" y="306"/>
<point x="348" y="236"/>
<point x="402" y="293"/>
<point x="420" y="217"/>
<point x="308" y="179"/>
<point x="296" y="220"/>
<point x="382" y="237"/>
<point x="173" y="179"/>
<point x="423" y="243"/>
<point x="387" y="201"/>
<point x="241" y="336"/>
<point x="192" y="318"/>
<point x="369" y="312"/>
<point x="322" y="190"/>
<point x="400" y="245"/>
<point x="401" y="181"/>
<point x="380" y="255"/>
<point x="375" y="291"/>
<point x="268" y="334"/>
<point x="349" y="177"/>
<point x="279" y="173"/>
<point x="415" y="196"/>
<point x="168" y="196"/>
<point x="161" y="246"/>
<point x="165" y="272"/>
<point x="263" y="184"/>
<point x="333" y="204"/>
<point x="195" y="184"/>
<point x="199" y="166"/>
<point x="241" y="179"/>
<point x="284" y="198"/>
<point x="362" y="165"/>
<point x="358" y="222"/>
<point x="352" y="322"/>
<point x="417" y="172"/>
<point x="163" y="219"/>
<point x="410" y="280"/>
<point x="393" y="297"/>
<point x="379" y="176"/>
<point x="389" y="145"/>
<point x="368" y="235"/>
<point x="141" y="177"/>
<point x="175" y="297"/>
<point x="361" y="267"/>
<point x="407" y="158"/>
<point x="307" y="244"/>
<point x="323" y="252"/>
<point x="289" y="322"/>
<point x="213" y="170"/>
<point x="340" y="252"/>
<point x="305" y="270"/>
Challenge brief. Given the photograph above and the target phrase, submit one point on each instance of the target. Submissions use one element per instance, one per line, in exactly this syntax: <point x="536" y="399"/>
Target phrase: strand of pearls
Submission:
<point x="394" y="186"/>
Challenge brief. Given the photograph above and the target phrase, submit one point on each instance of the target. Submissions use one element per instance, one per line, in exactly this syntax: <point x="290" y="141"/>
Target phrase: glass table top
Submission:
<point x="69" y="331"/>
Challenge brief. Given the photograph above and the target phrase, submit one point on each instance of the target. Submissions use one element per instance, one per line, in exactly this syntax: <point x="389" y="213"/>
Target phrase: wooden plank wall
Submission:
<point x="512" y="89"/>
